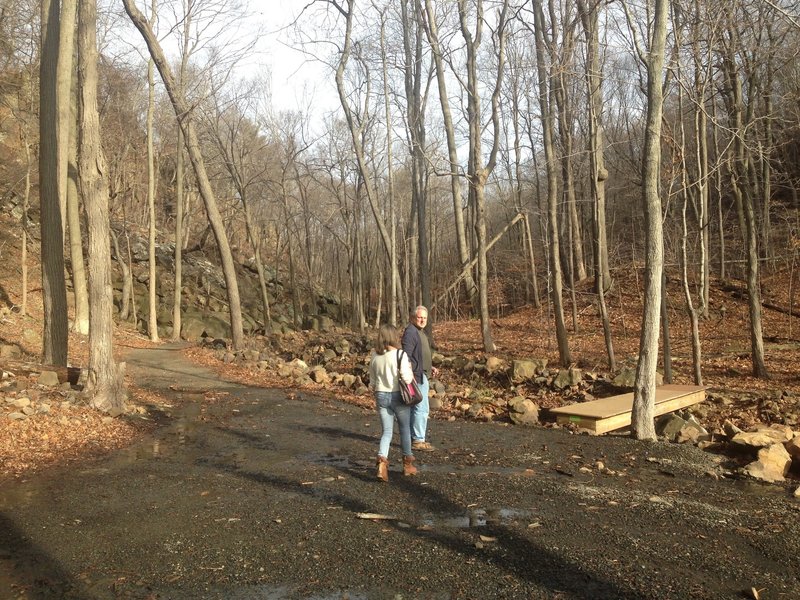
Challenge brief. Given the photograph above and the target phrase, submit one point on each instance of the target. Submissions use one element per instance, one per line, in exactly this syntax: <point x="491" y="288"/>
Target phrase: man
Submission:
<point x="415" y="344"/>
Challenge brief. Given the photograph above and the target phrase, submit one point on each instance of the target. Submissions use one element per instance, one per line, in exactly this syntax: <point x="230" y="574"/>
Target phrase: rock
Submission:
<point x="349" y="380"/>
<point x="522" y="411"/>
<point x="495" y="365"/>
<point x="437" y="359"/>
<point x="730" y="429"/>
<point x="762" y="436"/>
<point x="299" y="365"/>
<point x="29" y="411"/>
<point x="567" y="378"/>
<point x="772" y="464"/>
<point x="20" y="402"/>
<point x="342" y="347"/>
<point x="251" y="355"/>
<point x="10" y="351"/>
<point x="669" y="425"/>
<point x="17" y="416"/>
<point x="793" y="448"/>
<point x="475" y="410"/>
<point x="434" y="401"/>
<point x="319" y="375"/>
<point x="522" y="370"/>
<point x="797" y="492"/>
<point x="627" y="378"/>
<point x="48" y="378"/>
<point x="328" y="355"/>
<point x="439" y="387"/>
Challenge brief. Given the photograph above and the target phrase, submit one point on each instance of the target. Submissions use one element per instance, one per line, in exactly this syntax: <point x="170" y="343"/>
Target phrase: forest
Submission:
<point x="483" y="155"/>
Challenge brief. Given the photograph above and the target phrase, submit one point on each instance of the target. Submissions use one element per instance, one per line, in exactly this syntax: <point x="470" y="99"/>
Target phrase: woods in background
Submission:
<point x="656" y="135"/>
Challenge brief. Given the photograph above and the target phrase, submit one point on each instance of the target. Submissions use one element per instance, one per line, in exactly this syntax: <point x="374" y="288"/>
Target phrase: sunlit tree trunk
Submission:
<point x="152" y="283"/>
<point x="105" y="382"/>
<point x="598" y="173"/>
<point x="70" y="211"/>
<point x="642" y="414"/>
<point x="545" y="85"/>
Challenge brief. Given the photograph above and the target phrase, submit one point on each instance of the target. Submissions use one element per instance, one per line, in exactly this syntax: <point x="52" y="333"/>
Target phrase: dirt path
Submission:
<point x="250" y="494"/>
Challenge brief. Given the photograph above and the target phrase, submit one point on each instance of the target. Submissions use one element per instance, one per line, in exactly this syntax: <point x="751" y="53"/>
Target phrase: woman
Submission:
<point x="384" y="377"/>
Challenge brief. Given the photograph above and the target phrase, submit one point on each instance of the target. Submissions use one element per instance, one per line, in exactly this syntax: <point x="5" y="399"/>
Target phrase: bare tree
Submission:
<point x="546" y="75"/>
<point x="54" y="342"/>
<point x="182" y="108"/>
<point x="70" y="210"/>
<point x="653" y="57"/>
<point x="152" y="283"/>
<point x="477" y="172"/>
<point x="105" y="382"/>
<point x="597" y="173"/>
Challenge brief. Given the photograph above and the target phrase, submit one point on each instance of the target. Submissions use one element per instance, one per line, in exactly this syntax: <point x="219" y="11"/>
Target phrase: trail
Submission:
<point x="246" y="493"/>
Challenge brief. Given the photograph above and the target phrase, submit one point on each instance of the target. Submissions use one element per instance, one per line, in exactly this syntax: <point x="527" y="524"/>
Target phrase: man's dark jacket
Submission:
<point x="412" y="345"/>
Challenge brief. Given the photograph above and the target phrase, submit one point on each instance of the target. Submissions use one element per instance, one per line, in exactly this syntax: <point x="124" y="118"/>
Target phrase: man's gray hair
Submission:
<point x="417" y="309"/>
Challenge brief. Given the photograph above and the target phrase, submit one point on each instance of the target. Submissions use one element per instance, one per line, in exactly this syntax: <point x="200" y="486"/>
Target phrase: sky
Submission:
<point x="297" y="81"/>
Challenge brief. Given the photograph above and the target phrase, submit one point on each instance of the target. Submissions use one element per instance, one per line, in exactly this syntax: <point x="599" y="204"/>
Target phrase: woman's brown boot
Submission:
<point x="383" y="468"/>
<point x="408" y="466"/>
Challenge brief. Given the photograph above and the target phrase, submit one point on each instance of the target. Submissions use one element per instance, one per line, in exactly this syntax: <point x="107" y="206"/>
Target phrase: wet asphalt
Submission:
<point x="250" y="493"/>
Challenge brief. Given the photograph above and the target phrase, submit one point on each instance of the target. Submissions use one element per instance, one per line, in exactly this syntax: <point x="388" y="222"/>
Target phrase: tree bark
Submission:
<point x="54" y="338"/>
<point x="105" y="381"/>
<point x="545" y="86"/>
<point x="432" y="33"/>
<point x="643" y="410"/>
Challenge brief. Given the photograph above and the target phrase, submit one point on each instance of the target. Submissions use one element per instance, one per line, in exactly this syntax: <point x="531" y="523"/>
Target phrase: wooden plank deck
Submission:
<point x="608" y="414"/>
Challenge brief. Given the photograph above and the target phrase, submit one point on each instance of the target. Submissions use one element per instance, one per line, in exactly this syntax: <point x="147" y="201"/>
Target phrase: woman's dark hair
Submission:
<point x="388" y="335"/>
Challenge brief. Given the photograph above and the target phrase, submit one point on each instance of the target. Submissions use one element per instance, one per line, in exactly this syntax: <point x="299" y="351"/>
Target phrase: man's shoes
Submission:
<point x="422" y="445"/>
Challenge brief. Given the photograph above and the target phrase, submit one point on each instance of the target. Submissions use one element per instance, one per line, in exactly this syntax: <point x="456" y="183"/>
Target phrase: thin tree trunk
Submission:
<point x="181" y="108"/>
<point x="431" y="30"/>
<point x="152" y="322"/>
<point x="643" y="410"/>
<point x="545" y="85"/>
<point x="178" y="284"/>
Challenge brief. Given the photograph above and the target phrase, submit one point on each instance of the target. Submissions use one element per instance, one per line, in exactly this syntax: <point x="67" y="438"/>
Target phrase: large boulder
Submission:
<point x="523" y="370"/>
<point x="772" y="464"/>
<point x="522" y="411"/>
<point x="763" y="436"/>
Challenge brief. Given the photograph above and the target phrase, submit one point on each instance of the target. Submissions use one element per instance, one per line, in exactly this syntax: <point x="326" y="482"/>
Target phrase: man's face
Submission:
<point x="421" y="319"/>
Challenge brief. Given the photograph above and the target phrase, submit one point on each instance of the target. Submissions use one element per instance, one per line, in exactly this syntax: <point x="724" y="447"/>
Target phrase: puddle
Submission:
<point x="335" y="461"/>
<point x="476" y="517"/>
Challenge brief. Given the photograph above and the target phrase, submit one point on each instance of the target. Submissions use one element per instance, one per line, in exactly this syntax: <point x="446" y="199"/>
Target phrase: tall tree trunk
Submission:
<point x="67" y="202"/>
<point x="644" y="395"/>
<point x="105" y="382"/>
<point x="431" y="30"/>
<point x="54" y="338"/>
<point x="545" y="85"/>
<point x="598" y="173"/>
<point x="152" y="283"/>
<point x="415" y="113"/>
<point x="182" y="108"/>
<point x="179" y="196"/>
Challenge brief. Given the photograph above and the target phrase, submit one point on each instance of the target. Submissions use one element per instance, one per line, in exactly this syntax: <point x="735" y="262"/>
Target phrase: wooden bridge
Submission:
<point x="608" y="414"/>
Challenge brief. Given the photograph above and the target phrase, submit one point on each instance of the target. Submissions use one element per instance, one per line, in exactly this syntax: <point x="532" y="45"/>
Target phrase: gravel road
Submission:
<point x="249" y="493"/>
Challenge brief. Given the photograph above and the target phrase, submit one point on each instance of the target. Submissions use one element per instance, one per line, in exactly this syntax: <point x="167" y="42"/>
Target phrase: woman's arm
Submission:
<point x="406" y="374"/>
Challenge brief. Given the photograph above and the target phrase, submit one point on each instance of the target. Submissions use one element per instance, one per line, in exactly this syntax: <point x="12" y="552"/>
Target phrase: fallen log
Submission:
<point x="17" y="367"/>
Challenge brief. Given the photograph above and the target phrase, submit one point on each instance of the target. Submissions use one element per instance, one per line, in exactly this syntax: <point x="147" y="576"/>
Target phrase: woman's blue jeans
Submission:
<point x="390" y="406"/>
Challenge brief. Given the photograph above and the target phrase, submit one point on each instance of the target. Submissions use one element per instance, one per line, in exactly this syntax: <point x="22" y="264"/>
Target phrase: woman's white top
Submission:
<point x="383" y="371"/>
